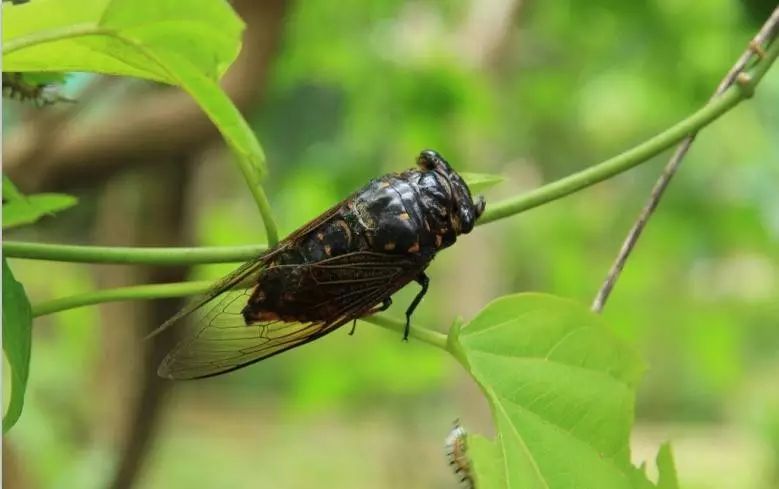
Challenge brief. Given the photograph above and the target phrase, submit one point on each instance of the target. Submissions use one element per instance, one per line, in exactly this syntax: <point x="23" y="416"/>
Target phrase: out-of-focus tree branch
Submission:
<point x="142" y="130"/>
<point x="487" y="30"/>
<point x="158" y="217"/>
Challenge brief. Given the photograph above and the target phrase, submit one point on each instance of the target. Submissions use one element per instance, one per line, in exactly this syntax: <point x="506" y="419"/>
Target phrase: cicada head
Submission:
<point x="466" y="210"/>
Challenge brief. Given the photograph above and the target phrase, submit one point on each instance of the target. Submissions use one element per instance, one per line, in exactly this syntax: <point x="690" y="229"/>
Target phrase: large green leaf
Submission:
<point x="17" y="329"/>
<point x="21" y="209"/>
<point x="188" y="43"/>
<point x="561" y="387"/>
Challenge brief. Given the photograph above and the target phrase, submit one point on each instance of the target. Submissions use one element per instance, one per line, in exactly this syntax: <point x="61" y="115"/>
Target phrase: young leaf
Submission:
<point x="21" y="209"/>
<point x="479" y="182"/>
<point x="17" y="330"/>
<point x="561" y="387"/>
<point x="10" y="192"/>
<point x="188" y="43"/>
<point x="666" y="468"/>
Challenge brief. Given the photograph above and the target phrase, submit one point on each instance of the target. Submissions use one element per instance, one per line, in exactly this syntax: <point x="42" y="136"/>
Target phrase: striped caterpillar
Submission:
<point x="457" y="454"/>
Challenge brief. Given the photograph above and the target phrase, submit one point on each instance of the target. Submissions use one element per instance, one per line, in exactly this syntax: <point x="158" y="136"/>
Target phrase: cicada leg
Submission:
<point x="385" y="304"/>
<point x="424" y="281"/>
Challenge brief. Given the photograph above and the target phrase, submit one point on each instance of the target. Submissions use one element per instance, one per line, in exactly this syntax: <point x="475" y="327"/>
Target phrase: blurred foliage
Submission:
<point x="357" y="89"/>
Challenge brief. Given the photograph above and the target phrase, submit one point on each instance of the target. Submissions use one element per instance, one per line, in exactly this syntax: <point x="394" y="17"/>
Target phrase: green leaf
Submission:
<point x="561" y="387"/>
<point x="188" y="43"/>
<point x="479" y="182"/>
<point x="10" y="192"/>
<point x="639" y="479"/>
<point x="17" y="331"/>
<point x="490" y="464"/>
<point x="666" y="468"/>
<point x="21" y="209"/>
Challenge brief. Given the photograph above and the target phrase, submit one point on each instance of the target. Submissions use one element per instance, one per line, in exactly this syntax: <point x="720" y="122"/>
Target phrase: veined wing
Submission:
<point x="247" y="274"/>
<point x="347" y="287"/>
<point x="243" y="277"/>
<point x="220" y="341"/>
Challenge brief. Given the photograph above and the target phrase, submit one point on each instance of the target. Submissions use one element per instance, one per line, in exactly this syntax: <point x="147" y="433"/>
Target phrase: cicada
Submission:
<point x="341" y="266"/>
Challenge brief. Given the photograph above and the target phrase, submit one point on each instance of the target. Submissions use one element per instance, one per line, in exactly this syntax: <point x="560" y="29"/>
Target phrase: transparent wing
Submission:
<point x="247" y="274"/>
<point x="219" y="340"/>
<point x="243" y="277"/>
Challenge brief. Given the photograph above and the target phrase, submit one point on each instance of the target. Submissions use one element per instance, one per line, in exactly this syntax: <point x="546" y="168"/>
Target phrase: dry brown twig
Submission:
<point x="755" y="49"/>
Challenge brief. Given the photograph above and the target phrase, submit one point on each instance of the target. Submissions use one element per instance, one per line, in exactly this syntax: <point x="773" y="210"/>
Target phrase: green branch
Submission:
<point x="252" y="177"/>
<point x="134" y="255"/>
<point x="184" y="289"/>
<point x="429" y="336"/>
<point x="135" y="292"/>
<point x="636" y="155"/>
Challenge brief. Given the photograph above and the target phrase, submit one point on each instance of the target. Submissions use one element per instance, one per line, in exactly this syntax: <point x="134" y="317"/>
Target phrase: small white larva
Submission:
<point x="456" y="453"/>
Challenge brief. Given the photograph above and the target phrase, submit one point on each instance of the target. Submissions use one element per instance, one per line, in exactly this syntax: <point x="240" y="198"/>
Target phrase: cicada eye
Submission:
<point x="427" y="159"/>
<point x="480" y="205"/>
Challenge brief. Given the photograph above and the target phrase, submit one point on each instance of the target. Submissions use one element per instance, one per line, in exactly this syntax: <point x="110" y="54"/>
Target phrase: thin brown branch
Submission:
<point x="164" y="208"/>
<point x="755" y="49"/>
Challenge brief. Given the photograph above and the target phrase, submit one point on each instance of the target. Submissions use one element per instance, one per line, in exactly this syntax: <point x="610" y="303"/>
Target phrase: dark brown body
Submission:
<point x="341" y="266"/>
<point x="388" y="216"/>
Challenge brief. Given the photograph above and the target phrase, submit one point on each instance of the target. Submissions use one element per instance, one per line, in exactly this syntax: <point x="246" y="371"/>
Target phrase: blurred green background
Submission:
<point x="341" y="92"/>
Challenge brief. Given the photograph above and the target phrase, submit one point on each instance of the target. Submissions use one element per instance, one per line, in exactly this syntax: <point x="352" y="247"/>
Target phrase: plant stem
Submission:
<point x="135" y="292"/>
<point x="131" y="255"/>
<point x="429" y="336"/>
<point x="252" y="177"/>
<point x="184" y="289"/>
<point x="636" y="155"/>
<point x="612" y="166"/>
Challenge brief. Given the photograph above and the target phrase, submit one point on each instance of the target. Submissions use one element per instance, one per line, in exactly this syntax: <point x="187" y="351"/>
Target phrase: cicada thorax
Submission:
<point x="407" y="213"/>
<point x="388" y="214"/>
